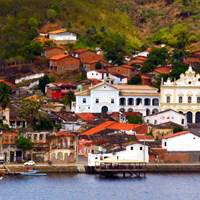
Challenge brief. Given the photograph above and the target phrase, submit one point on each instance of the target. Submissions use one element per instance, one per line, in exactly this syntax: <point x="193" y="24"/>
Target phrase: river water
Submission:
<point x="91" y="187"/>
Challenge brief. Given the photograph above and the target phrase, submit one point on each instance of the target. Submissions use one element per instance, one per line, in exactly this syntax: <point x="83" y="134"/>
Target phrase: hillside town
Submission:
<point x="80" y="107"/>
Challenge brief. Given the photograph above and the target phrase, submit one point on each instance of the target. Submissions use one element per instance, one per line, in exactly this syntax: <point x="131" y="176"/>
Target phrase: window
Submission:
<point x="97" y="100"/>
<point x="131" y="148"/>
<point x="122" y="101"/>
<point x="155" y="102"/>
<point x="35" y="137"/>
<point x="189" y="99"/>
<point x="168" y="99"/>
<point x="180" y="99"/>
<point x="189" y="82"/>
<point x="130" y="101"/>
<point x="84" y="100"/>
<point x="182" y="121"/>
<point x="165" y="144"/>
<point x="112" y="101"/>
<point x="147" y="102"/>
<point x="141" y="148"/>
<point x="41" y="136"/>
<point x="198" y="99"/>
<point x="155" y="121"/>
<point x="138" y="101"/>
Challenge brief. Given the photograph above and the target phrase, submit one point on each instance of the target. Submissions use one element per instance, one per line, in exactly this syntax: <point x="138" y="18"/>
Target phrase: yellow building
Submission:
<point x="182" y="95"/>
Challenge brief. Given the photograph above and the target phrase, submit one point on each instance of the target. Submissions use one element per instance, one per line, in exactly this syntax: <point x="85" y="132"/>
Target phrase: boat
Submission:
<point x="1" y="178"/>
<point x="32" y="173"/>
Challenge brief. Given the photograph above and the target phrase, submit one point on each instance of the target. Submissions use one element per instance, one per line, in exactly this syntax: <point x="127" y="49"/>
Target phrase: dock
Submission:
<point x="125" y="169"/>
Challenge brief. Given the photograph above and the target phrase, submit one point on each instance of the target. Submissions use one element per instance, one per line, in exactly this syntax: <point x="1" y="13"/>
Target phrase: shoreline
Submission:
<point x="82" y="168"/>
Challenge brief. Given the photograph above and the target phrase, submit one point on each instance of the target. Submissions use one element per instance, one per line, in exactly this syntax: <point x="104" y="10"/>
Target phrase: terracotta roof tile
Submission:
<point x="175" y="134"/>
<point x="86" y="116"/>
<point x="163" y="70"/>
<point x="58" y="57"/>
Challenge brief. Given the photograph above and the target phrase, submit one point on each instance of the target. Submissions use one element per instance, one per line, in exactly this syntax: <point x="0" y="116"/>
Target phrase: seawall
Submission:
<point x="81" y="168"/>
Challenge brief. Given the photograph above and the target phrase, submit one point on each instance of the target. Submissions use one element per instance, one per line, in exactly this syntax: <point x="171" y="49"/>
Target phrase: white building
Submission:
<point x="182" y="95"/>
<point x="105" y="97"/>
<point x="134" y="152"/>
<point x="113" y="78"/>
<point x="182" y="141"/>
<point x="62" y="35"/>
<point x="166" y="116"/>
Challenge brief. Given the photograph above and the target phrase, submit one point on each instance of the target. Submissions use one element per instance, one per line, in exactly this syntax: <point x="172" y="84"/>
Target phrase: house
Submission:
<point x="134" y="152"/>
<point x="62" y="36"/>
<point x="108" y="98"/>
<point x="138" y="61"/>
<point x="125" y="70"/>
<point x="130" y="129"/>
<point x="104" y="75"/>
<point x="181" y="141"/>
<point x="166" y="116"/>
<point x="39" y="152"/>
<point x="146" y="79"/>
<point x="63" y="63"/>
<point x="158" y="131"/>
<point x="53" y="51"/>
<point x="182" y="95"/>
<point x="10" y="151"/>
<point x="89" y="60"/>
<point x="58" y="90"/>
<point x="62" y="147"/>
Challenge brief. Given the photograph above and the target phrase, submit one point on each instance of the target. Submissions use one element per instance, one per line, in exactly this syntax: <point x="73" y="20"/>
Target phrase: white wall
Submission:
<point x="63" y="36"/>
<point x="134" y="153"/>
<point x="30" y="77"/>
<point x="168" y="116"/>
<point x="186" y="142"/>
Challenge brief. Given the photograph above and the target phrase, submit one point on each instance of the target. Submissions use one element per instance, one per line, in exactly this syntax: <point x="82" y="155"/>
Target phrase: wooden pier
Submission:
<point x="124" y="169"/>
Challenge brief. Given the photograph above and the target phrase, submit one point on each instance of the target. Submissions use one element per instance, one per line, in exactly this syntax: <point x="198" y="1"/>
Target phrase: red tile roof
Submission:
<point x="175" y="134"/>
<point x="86" y="116"/>
<point x="163" y="69"/>
<point x="64" y="134"/>
<point x="58" y="57"/>
<point x="81" y="50"/>
<point x="142" y="137"/>
<point x="90" y="57"/>
<point x="8" y="83"/>
<point x="112" y="125"/>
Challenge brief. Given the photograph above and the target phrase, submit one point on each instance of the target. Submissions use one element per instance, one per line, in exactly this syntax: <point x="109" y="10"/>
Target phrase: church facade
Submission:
<point x="182" y="95"/>
<point x="108" y="98"/>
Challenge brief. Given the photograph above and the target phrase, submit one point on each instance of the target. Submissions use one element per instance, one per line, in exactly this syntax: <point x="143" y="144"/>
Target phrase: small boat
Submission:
<point x="32" y="173"/>
<point x="1" y="178"/>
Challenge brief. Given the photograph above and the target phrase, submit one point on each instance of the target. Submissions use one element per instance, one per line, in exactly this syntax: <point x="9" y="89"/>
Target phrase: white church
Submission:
<point x="108" y="98"/>
<point x="182" y="95"/>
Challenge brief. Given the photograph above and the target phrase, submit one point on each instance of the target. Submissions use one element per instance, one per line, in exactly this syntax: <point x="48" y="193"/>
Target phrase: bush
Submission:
<point x="135" y="119"/>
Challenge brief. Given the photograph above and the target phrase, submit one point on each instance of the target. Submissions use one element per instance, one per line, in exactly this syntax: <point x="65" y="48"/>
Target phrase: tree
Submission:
<point x="136" y="80"/>
<point x="5" y="92"/>
<point x="24" y="143"/>
<point x="69" y="98"/>
<point x="158" y="56"/>
<point x="43" y="81"/>
<point x="44" y="123"/>
<point x="29" y="111"/>
<point x="52" y="14"/>
<point x="135" y="119"/>
<point x="33" y="49"/>
<point x="115" y="47"/>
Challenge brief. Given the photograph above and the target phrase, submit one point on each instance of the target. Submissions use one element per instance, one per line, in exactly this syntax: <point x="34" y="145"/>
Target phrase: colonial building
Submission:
<point x="166" y="116"/>
<point x="113" y="78"/>
<point x="109" y="98"/>
<point x="182" y="95"/>
<point x="62" y="147"/>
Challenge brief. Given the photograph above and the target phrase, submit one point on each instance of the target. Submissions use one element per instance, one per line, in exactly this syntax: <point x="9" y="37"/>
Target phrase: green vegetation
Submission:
<point x="135" y="119"/>
<point x="44" y="81"/>
<point x="136" y="80"/>
<point x="5" y="92"/>
<point x="24" y="143"/>
<point x="69" y="98"/>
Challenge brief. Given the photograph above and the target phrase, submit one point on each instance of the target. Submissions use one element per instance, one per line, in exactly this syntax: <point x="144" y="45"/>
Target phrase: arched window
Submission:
<point x="155" y="111"/>
<point x="147" y="112"/>
<point x="180" y="99"/>
<point x="121" y="110"/>
<point x="155" y="102"/>
<point x="189" y="117"/>
<point x="130" y="101"/>
<point x="138" y="101"/>
<point x="122" y="101"/>
<point x="130" y="110"/>
<point x="147" y="102"/>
